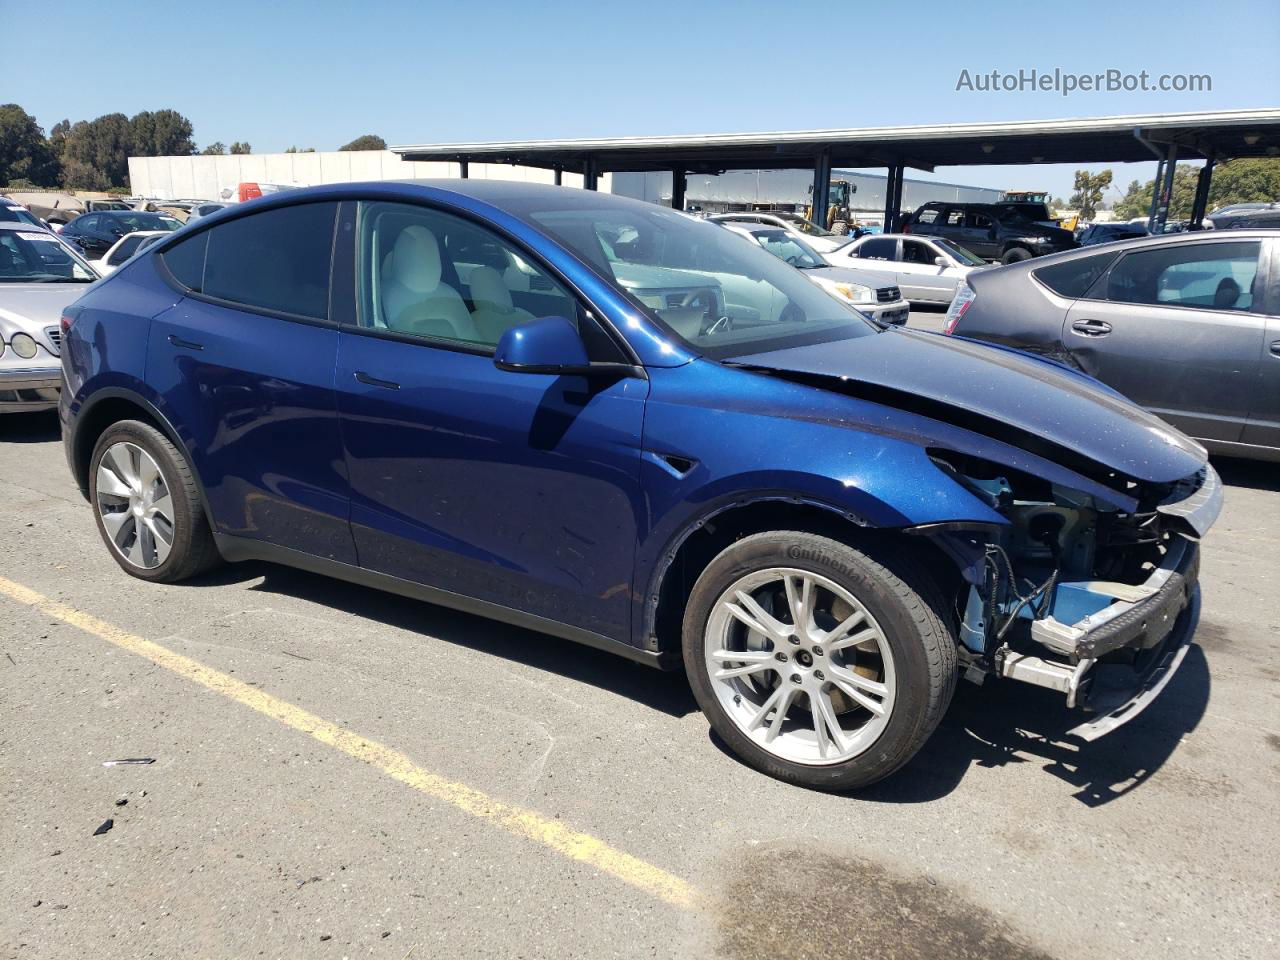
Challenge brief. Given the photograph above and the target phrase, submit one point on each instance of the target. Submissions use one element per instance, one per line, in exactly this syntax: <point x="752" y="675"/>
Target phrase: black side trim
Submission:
<point x="241" y="548"/>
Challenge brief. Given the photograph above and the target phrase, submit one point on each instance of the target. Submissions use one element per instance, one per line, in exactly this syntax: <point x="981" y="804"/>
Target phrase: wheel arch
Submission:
<point x="111" y="405"/>
<point x="701" y="540"/>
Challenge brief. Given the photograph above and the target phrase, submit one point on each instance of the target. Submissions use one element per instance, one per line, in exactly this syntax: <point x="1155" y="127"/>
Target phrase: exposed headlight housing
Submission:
<point x="853" y="292"/>
<point x="23" y="345"/>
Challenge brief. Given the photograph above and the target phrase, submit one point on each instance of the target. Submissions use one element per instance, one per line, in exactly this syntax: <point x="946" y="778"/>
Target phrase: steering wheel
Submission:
<point x="719" y="325"/>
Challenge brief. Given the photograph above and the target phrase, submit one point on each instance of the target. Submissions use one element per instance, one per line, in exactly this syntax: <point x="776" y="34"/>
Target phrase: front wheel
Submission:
<point x="1016" y="255"/>
<point x="816" y="663"/>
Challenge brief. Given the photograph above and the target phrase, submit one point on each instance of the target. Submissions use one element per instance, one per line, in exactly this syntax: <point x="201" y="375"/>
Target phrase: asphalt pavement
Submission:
<point x="339" y="773"/>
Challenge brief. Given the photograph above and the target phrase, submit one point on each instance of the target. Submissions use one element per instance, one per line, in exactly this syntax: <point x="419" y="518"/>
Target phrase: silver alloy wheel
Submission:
<point x="800" y="665"/>
<point x="134" y="504"/>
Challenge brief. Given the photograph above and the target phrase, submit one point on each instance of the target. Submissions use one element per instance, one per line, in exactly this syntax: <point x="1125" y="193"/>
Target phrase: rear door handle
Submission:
<point x="185" y="344"/>
<point x="375" y="382"/>
<point x="1091" y="328"/>
<point x="1275" y="347"/>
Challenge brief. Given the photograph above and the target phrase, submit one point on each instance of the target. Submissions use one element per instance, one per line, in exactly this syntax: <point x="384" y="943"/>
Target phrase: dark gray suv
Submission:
<point x="1004" y="232"/>
<point x="1186" y="325"/>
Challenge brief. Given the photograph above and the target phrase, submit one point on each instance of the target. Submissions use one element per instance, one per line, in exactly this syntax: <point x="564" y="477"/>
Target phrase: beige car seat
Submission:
<point x="494" y="313"/>
<point x="414" y="298"/>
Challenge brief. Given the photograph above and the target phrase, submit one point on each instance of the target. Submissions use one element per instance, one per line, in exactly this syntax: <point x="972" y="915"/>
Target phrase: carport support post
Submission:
<point x="1155" y="196"/>
<point x="1166" y="189"/>
<point x="821" y="186"/>
<point x="465" y="166"/>
<point x="590" y="176"/>
<point x="892" y="198"/>
<point x="559" y="176"/>
<point x="679" y="182"/>
<point x="1202" y="193"/>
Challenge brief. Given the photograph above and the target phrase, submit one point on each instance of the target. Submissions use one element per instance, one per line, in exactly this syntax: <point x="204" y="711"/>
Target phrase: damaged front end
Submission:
<point x="1096" y="598"/>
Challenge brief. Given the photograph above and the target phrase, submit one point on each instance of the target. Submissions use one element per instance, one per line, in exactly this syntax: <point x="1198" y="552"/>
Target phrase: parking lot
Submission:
<point x="340" y="772"/>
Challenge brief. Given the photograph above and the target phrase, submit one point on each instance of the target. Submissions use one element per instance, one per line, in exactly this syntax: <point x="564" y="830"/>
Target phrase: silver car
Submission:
<point x="39" y="275"/>
<point x="927" y="269"/>
<point x="872" y="292"/>
<point x="806" y="231"/>
<point x="1186" y="325"/>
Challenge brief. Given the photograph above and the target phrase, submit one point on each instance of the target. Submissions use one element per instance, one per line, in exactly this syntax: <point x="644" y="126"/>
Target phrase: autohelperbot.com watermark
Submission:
<point x="1067" y="82"/>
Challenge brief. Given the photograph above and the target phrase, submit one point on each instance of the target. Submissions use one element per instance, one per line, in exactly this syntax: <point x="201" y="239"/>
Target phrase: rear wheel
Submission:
<point x="816" y="663"/>
<point x="147" y="504"/>
<point x="1016" y="255"/>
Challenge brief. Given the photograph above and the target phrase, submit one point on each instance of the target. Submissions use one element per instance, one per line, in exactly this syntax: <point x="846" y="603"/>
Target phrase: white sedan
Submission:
<point x="928" y="269"/>
<point x="126" y="247"/>
<point x="806" y="231"/>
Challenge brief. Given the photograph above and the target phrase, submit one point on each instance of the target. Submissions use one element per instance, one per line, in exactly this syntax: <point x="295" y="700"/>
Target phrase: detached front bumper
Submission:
<point x="29" y="389"/>
<point x="1115" y="661"/>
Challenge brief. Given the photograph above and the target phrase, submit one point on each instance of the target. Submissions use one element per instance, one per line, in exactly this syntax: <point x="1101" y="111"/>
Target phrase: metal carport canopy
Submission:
<point x="1221" y="133"/>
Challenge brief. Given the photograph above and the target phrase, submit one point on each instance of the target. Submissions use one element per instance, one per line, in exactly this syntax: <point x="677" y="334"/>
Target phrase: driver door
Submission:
<point x="515" y="489"/>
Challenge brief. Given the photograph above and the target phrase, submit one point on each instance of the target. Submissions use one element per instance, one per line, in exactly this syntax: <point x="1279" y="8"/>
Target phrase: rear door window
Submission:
<point x="913" y="251"/>
<point x="955" y="218"/>
<point x="879" y="248"/>
<point x="277" y="260"/>
<point x="1207" y="276"/>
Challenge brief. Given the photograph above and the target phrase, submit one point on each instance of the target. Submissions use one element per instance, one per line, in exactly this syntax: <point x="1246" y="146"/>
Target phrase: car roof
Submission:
<point x="1141" y="243"/>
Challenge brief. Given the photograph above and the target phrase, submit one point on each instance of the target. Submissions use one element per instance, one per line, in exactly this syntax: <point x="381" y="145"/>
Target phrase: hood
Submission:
<point x="1025" y="401"/>
<point x="34" y="307"/>
<point x="869" y="278"/>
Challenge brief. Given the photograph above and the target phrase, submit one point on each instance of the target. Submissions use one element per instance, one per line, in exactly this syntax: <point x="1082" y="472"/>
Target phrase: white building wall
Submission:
<point x="205" y="177"/>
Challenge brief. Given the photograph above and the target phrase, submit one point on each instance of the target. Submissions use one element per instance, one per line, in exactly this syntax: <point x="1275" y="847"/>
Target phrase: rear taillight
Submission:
<point x="959" y="307"/>
<point x="249" y="191"/>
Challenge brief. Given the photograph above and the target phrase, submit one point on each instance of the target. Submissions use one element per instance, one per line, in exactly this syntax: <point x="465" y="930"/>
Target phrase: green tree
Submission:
<point x="97" y="153"/>
<point x="163" y="133"/>
<point x="1088" y="192"/>
<point x="302" y="150"/>
<point x="369" y="141"/>
<point x="241" y="147"/>
<point x="25" y="154"/>
<point x="1248" y="180"/>
<point x="215" y="149"/>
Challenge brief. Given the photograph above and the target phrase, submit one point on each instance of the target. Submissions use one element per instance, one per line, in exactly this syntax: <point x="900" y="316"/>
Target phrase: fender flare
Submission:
<point x="678" y="540"/>
<point x="162" y="423"/>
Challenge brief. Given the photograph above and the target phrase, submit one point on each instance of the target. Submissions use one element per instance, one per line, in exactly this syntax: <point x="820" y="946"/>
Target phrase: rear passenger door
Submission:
<point x="1263" y="427"/>
<point x="244" y="368"/>
<point x="1177" y="329"/>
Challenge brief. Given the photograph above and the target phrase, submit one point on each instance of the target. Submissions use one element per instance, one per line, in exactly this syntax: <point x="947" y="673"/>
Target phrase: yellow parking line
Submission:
<point x="516" y="820"/>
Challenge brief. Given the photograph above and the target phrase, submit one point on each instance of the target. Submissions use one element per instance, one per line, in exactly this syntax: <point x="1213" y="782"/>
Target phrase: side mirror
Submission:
<point x="552" y="345"/>
<point x="941" y="261"/>
<point x="545" y="345"/>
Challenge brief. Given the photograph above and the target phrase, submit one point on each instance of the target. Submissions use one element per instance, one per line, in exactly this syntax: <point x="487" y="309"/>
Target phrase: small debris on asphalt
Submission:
<point x="107" y="824"/>
<point x="385" y="934"/>
<point x="325" y="936"/>
<point x="128" y="761"/>
<point x="303" y="883"/>
<point x="37" y="903"/>
<point x="56" y="853"/>
<point x="10" y="656"/>
<point x="296" y="656"/>
<point x="59" y="906"/>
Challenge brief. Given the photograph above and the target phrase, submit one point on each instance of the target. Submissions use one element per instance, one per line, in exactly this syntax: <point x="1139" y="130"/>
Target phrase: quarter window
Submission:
<point x="185" y="260"/>
<point x="1073" y="278"/>
<point x="1213" y="276"/>
<point x="928" y="215"/>
<point x="277" y="260"/>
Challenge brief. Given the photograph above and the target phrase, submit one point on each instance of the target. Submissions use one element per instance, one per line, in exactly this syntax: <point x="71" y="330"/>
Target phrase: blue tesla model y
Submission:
<point x="613" y="423"/>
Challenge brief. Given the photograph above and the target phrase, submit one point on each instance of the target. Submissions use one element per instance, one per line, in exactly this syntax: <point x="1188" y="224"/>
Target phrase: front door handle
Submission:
<point x="185" y="344"/>
<point x="1275" y="348"/>
<point x="375" y="382"/>
<point x="1091" y="328"/>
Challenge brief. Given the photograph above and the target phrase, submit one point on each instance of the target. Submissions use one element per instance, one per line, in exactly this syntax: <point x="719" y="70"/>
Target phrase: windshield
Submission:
<point x="963" y="254"/>
<point x="39" y="257"/>
<point x="19" y="215"/>
<point x="808" y="227"/>
<point x="786" y="247"/>
<point x="717" y="291"/>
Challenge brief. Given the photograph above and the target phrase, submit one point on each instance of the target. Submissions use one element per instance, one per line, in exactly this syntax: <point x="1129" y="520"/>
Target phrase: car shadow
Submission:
<point x="30" y="427"/>
<point x="658" y="690"/>
<point x="1254" y="474"/>
<point x="1012" y="723"/>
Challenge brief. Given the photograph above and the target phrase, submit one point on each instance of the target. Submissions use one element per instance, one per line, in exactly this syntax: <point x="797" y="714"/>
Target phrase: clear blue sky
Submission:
<point x="319" y="73"/>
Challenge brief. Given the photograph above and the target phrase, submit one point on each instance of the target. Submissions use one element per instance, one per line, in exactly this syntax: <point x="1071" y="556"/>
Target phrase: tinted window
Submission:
<point x="927" y="216"/>
<point x="274" y="260"/>
<point x="913" y="251"/>
<point x="1217" y="276"/>
<point x="87" y="223"/>
<point x="980" y="221"/>
<point x="880" y="248"/>
<point x="955" y="218"/>
<point x="125" y="249"/>
<point x="185" y="260"/>
<point x="1073" y="278"/>
<point x="424" y="273"/>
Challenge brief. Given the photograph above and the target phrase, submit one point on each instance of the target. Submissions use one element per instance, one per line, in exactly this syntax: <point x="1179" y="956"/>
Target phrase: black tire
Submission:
<point x="193" y="549"/>
<point x="901" y="597"/>
<point x="1016" y="255"/>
